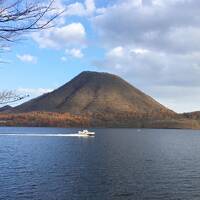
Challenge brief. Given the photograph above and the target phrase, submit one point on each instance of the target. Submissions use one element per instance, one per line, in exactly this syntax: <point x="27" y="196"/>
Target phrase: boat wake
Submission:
<point x="42" y="135"/>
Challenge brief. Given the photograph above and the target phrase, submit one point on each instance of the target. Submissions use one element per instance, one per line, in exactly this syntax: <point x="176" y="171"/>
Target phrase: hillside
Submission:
<point x="94" y="99"/>
<point x="94" y="92"/>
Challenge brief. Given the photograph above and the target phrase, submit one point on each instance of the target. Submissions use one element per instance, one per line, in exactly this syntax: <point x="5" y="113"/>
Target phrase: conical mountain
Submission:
<point x="92" y="92"/>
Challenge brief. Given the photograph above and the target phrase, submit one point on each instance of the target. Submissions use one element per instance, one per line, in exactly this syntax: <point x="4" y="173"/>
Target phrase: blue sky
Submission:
<point x="154" y="44"/>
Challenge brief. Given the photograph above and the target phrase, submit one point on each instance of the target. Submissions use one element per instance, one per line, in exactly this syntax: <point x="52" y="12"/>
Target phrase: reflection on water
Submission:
<point x="115" y="164"/>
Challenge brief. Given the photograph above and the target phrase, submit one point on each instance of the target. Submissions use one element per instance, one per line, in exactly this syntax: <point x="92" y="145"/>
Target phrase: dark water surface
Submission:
<point x="116" y="164"/>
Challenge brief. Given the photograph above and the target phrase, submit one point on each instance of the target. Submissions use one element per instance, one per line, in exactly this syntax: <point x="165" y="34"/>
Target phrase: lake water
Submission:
<point x="115" y="164"/>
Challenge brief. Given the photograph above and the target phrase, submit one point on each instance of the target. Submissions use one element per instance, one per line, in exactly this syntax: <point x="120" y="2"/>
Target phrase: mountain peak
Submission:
<point x="94" y="92"/>
<point x="97" y="74"/>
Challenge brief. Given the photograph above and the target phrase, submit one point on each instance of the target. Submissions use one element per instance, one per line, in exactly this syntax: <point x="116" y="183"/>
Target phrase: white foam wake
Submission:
<point x="43" y="135"/>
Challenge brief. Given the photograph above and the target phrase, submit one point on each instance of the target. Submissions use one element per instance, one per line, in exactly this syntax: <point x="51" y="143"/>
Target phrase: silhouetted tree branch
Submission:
<point x="10" y="97"/>
<point x="22" y="16"/>
<point x="18" y="17"/>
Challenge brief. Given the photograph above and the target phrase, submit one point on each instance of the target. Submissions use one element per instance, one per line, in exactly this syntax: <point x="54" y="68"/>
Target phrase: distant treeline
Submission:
<point x="126" y="119"/>
<point x="46" y="119"/>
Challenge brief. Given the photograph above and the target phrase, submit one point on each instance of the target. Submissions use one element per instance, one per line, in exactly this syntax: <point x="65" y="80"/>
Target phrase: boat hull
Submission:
<point x="86" y="133"/>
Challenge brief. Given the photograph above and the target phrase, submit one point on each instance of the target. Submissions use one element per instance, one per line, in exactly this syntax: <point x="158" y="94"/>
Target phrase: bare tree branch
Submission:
<point x="22" y="16"/>
<point x="10" y="97"/>
<point x="18" y="17"/>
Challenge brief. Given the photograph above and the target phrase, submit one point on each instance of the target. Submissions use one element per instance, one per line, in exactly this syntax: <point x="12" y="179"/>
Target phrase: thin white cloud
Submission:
<point x="27" y="58"/>
<point x="116" y="52"/>
<point x="76" y="53"/>
<point x="5" y="48"/>
<point x="178" y="98"/>
<point x="73" y="34"/>
<point x="90" y="6"/>
<point x="139" y="51"/>
<point x="75" y="9"/>
<point x="87" y="8"/>
<point x="33" y="92"/>
<point x="63" y="58"/>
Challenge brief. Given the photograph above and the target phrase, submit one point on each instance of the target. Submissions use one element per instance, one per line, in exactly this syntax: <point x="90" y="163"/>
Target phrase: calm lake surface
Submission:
<point x="115" y="164"/>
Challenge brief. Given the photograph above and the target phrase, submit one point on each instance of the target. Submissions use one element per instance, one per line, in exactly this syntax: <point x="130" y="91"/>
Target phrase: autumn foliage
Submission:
<point x="157" y="119"/>
<point x="43" y="119"/>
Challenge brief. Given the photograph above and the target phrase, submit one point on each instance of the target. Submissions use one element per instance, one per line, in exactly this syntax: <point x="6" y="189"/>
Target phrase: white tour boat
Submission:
<point x="86" y="133"/>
